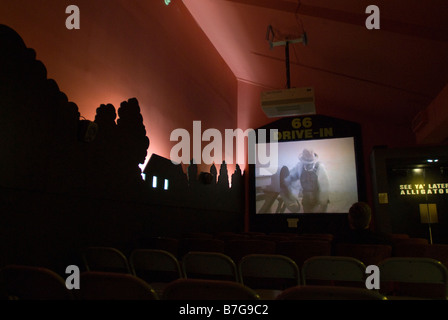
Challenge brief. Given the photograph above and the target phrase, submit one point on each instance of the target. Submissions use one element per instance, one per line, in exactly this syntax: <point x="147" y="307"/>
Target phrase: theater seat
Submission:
<point x="156" y="267"/>
<point x="96" y="285"/>
<point x="329" y="293"/>
<point x="203" y="289"/>
<point x="105" y="259"/>
<point x="209" y="265"/>
<point x="268" y="274"/>
<point x="369" y="254"/>
<point x="301" y="250"/>
<point x="237" y="249"/>
<point x="408" y="277"/>
<point x="331" y="270"/>
<point x="33" y="283"/>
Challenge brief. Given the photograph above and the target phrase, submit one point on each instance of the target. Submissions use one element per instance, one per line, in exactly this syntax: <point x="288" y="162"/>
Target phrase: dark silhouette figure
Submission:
<point x="359" y="218"/>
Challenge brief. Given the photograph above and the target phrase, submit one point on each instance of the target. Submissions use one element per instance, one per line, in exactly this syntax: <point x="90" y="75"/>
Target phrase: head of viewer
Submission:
<point x="359" y="216"/>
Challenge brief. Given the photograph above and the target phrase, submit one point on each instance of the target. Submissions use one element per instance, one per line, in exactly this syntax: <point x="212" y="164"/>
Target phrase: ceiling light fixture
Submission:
<point x="167" y="2"/>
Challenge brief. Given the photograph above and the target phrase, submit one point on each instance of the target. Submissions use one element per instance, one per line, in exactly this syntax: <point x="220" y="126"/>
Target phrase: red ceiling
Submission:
<point x="395" y="71"/>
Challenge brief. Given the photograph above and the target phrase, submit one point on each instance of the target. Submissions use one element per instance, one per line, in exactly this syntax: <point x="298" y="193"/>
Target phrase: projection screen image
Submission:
<point x="312" y="176"/>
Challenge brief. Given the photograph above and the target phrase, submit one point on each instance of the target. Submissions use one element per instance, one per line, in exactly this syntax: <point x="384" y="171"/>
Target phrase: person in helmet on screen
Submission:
<point x="311" y="176"/>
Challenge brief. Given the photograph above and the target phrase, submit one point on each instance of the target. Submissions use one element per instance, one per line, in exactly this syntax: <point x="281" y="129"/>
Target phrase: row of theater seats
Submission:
<point x="37" y="283"/>
<point x="271" y="274"/>
<point x="157" y="274"/>
<point x="297" y="247"/>
<point x="246" y="259"/>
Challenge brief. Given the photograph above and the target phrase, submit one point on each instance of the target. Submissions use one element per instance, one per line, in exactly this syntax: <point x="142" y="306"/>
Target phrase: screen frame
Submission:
<point x="307" y="128"/>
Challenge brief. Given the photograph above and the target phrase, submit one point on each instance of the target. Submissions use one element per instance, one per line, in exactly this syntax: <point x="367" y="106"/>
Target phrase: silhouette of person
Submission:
<point x="306" y="184"/>
<point x="359" y="218"/>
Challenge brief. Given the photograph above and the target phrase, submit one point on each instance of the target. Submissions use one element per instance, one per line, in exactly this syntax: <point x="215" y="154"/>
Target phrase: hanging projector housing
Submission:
<point x="288" y="102"/>
<point x="291" y="101"/>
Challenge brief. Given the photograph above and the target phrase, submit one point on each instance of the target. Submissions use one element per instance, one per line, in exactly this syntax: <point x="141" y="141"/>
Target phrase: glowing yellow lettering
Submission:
<point x="286" y="135"/>
<point x="308" y="133"/>
<point x="298" y="134"/>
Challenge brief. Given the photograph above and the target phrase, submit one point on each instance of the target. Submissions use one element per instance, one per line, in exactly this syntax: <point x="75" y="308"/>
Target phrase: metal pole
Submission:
<point x="288" y="80"/>
<point x="427" y="208"/>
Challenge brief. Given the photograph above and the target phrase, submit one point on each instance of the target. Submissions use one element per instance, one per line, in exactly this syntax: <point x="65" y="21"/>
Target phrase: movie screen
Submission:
<point x="312" y="176"/>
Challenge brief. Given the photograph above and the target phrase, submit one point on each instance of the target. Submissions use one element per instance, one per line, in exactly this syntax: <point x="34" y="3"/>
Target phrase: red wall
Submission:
<point x="125" y="49"/>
